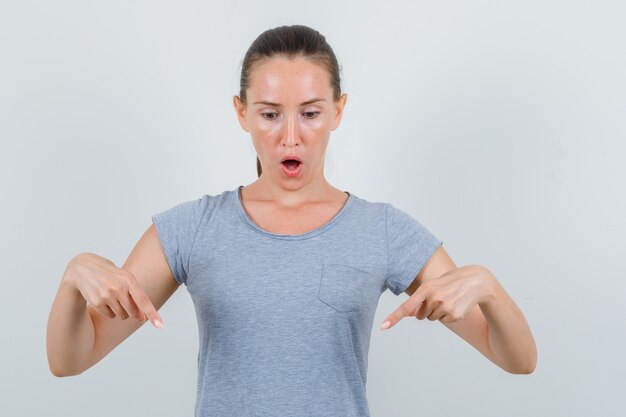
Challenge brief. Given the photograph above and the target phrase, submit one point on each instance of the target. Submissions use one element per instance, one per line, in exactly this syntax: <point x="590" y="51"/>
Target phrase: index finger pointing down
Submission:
<point x="146" y="307"/>
<point x="407" y="308"/>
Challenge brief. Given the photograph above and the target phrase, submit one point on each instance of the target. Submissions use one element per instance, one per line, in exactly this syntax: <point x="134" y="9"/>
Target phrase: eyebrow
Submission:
<point x="269" y="103"/>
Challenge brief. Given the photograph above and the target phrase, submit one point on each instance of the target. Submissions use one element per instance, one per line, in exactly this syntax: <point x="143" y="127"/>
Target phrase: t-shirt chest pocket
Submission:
<point x="342" y="287"/>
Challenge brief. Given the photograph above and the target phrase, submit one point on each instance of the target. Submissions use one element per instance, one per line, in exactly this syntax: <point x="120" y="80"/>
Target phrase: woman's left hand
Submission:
<point x="446" y="298"/>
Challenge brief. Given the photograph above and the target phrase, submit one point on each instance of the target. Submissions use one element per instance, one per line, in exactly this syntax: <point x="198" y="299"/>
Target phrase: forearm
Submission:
<point x="70" y="332"/>
<point x="509" y="336"/>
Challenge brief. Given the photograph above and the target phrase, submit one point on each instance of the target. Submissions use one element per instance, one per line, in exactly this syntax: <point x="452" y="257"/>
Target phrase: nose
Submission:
<point x="291" y="132"/>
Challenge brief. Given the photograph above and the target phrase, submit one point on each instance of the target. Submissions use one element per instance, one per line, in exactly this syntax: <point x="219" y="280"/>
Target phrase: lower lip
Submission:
<point x="293" y="173"/>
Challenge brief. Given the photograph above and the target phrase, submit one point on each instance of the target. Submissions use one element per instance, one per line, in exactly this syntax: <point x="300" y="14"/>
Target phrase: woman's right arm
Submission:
<point x="88" y="318"/>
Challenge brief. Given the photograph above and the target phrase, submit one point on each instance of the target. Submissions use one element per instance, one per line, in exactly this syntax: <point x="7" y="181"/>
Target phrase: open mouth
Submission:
<point x="291" y="164"/>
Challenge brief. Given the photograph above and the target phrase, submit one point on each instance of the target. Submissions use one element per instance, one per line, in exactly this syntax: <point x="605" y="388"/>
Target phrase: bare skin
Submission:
<point x="468" y="300"/>
<point x="288" y="127"/>
<point x="274" y="219"/>
<point x="95" y="299"/>
<point x="90" y="313"/>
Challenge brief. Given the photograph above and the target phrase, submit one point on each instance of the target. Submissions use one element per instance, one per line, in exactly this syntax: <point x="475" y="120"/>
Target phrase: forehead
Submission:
<point x="281" y="77"/>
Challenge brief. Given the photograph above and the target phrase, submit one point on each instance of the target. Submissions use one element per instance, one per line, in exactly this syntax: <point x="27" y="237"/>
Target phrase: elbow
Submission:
<point x="59" y="372"/>
<point x="56" y="372"/>
<point x="532" y="365"/>
<point x="53" y="365"/>
<point x="524" y="368"/>
<point x="54" y="369"/>
<point x="525" y="371"/>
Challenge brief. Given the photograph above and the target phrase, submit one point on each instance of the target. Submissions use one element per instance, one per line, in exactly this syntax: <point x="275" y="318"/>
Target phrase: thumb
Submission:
<point x="407" y="308"/>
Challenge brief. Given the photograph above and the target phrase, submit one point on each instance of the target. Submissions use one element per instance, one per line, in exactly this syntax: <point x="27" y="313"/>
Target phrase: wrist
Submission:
<point x="69" y="282"/>
<point x="489" y="287"/>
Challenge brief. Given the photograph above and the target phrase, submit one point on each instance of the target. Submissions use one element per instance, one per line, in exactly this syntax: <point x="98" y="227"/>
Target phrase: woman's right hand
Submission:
<point x="110" y="290"/>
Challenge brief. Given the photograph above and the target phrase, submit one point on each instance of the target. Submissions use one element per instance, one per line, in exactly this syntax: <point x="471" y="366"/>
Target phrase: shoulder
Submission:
<point x="368" y="206"/>
<point x="191" y="211"/>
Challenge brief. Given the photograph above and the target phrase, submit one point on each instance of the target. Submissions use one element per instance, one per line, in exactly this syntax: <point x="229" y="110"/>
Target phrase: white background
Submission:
<point x="498" y="125"/>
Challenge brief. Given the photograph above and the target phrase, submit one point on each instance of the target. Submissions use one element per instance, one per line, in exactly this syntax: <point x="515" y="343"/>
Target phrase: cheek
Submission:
<point x="315" y="128"/>
<point x="316" y="125"/>
<point x="266" y="128"/>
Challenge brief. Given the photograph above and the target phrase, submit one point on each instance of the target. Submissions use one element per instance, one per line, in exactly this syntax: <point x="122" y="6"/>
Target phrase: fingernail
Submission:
<point x="385" y="325"/>
<point x="158" y="324"/>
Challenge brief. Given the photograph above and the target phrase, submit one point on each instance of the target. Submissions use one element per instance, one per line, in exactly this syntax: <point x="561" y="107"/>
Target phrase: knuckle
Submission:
<point x="115" y="287"/>
<point x="105" y="293"/>
<point x="108" y="293"/>
<point x="128" y="276"/>
<point x="122" y="283"/>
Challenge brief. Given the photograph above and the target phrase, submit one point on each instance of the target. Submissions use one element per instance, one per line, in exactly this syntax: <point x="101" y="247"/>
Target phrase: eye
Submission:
<point x="313" y="113"/>
<point x="271" y="114"/>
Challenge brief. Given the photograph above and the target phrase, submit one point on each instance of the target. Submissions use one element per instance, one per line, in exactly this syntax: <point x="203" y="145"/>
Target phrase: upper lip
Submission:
<point x="288" y="157"/>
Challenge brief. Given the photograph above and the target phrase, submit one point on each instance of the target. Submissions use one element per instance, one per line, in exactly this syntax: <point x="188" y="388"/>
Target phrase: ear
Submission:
<point x="240" y="109"/>
<point x="339" y="105"/>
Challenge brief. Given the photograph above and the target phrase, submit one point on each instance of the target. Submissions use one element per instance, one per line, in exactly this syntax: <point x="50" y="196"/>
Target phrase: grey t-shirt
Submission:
<point x="285" y="320"/>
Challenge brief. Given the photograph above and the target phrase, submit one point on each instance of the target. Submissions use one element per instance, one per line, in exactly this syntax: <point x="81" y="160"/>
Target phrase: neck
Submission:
<point x="290" y="195"/>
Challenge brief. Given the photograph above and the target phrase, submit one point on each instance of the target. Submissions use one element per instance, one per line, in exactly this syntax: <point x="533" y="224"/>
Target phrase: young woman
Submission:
<point x="286" y="272"/>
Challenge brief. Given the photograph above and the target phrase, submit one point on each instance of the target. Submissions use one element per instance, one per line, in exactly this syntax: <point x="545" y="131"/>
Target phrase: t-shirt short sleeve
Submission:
<point x="177" y="227"/>
<point x="409" y="246"/>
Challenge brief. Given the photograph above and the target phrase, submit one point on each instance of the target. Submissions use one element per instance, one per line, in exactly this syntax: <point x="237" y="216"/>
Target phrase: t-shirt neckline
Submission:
<point x="333" y="221"/>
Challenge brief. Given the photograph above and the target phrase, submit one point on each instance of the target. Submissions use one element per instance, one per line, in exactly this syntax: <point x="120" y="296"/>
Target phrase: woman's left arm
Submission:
<point x="471" y="302"/>
<point x="510" y="338"/>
